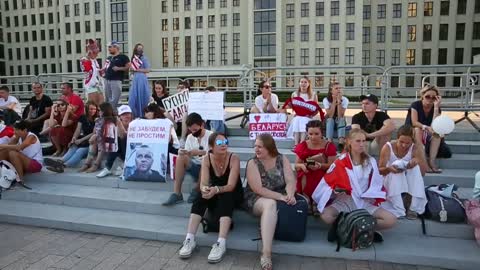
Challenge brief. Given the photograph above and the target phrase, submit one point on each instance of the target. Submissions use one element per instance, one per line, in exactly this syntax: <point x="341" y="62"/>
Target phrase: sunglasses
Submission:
<point x="221" y="142"/>
<point x="267" y="86"/>
<point x="430" y="97"/>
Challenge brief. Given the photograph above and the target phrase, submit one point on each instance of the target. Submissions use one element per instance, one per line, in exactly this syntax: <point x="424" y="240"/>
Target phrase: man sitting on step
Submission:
<point x="190" y="158"/>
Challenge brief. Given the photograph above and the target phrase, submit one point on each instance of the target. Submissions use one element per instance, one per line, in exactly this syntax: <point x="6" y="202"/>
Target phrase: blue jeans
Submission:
<point x="340" y="125"/>
<point x="74" y="155"/>
<point x="216" y="126"/>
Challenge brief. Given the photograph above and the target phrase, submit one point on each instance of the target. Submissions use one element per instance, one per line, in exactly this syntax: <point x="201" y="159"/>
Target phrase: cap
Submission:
<point x="114" y="43"/>
<point x="370" y="97"/>
<point x="124" y="109"/>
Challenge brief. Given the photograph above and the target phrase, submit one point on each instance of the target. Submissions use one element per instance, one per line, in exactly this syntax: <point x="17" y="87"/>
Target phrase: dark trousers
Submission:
<point x="121" y="153"/>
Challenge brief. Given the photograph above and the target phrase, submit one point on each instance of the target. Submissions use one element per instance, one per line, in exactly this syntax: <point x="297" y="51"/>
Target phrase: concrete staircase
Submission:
<point x="81" y="202"/>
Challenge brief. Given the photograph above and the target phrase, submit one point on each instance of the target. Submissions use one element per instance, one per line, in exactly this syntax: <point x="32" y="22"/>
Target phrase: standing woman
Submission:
<point x="139" y="92"/>
<point x="420" y="116"/>
<point x="92" y="84"/>
<point x="159" y="92"/>
<point x="335" y="105"/>
<point x="270" y="179"/>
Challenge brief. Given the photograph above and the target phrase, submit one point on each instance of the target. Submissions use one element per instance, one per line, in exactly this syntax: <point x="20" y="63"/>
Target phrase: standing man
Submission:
<point x="116" y="67"/>
<point x="74" y="101"/>
<point x="10" y="109"/>
<point x="38" y="110"/>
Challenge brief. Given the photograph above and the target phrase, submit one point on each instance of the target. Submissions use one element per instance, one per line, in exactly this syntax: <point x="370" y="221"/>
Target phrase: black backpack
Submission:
<point x="355" y="230"/>
<point x="292" y="220"/>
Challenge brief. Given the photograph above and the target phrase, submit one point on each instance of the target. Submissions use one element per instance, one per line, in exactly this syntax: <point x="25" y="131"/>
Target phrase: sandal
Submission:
<point x="55" y="169"/>
<point x="433" y="168"/>
<point x="266" y="263"/>
<point x="84" y="168"/>
<point x="93" y="168"/>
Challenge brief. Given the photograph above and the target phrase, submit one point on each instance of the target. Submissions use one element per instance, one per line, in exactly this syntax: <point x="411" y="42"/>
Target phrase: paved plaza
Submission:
<point x="33" y="248"/>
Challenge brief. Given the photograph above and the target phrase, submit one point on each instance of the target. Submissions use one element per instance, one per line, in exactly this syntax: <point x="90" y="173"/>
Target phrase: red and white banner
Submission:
<point x="273" y="123"/>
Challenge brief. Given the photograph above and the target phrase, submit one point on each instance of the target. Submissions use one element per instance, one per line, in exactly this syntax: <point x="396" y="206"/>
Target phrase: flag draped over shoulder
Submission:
<point x="304" y="108"/>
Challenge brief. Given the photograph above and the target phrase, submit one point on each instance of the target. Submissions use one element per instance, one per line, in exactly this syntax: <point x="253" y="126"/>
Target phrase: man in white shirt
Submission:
<point x="190" y="158"/>
<point x="10" y="109"/>
<point x="267" y="102"/>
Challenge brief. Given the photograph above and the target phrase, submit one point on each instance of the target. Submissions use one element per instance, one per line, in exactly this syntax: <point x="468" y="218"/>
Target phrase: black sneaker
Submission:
<point x="173" y="199"/>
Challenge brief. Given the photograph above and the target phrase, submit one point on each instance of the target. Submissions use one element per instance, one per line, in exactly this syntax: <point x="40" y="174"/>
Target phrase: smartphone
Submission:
<point x="310" y="162"/>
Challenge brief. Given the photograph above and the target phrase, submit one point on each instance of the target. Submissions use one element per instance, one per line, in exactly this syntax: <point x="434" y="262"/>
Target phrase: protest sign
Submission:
<point x="272" y="123"/>
<point x="177" y="105"/>
<point x="208" y="105"/>
<point x="147" y="150"/>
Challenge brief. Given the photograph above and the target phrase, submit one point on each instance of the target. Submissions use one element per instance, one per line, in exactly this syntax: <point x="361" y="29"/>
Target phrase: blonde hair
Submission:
<point x="309" y="89"/>
<point x="348" y="148"/>
<point x="429" y="87"/>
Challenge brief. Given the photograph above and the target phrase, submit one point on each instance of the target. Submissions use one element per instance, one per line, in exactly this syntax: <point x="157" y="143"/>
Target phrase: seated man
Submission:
<point x="38" y="110"/>
<point x="267" y="102"/>
<point x="190" y="159"/>
<point x="143" y="166"/>
<point x="377" y="124"/>
<point x="10" y="109"/>
<point x="78" y="107"/>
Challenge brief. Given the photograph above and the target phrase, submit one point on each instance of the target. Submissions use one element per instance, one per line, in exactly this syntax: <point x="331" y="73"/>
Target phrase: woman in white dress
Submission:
<point x="403" y="164"/>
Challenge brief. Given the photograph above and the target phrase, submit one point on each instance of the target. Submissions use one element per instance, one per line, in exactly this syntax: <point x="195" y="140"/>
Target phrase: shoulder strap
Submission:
<point x="229" y="158"/>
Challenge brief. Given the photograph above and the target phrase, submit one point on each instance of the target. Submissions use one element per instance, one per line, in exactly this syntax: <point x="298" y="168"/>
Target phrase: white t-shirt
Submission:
<point x="260" y="102"/>
<point x="326" y="103"/>
<point x="191" y="143"/>
<point x="10" y="100"/>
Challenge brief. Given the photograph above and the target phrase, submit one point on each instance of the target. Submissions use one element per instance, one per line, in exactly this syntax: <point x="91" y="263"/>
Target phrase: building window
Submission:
<point x="476" y="30"/>
<point x="412" y="33"/>
<point x="428" y="9"/>
<point x="33" y="19"/>
<point x="165" y="52"/>
<point x="350" y="7"/>
<point x="42" y="19"/>
<point x="396" y="33"/>
<point x="304" y="8"/>
<point x="427" y="32"/>
<point x="223" y="49"/>
<point x="442" y="56"/>
<point x="236" y="19"/>
<point x="290" y="33"/>
<point x="290" y="57"/>
<point x="223" y="20"/>
<point x="187" y="5"/>
<point x="77" y="27"/>
<point x="410" y="80"/>
<point x="236" y="3"/>
<point x="87" y="26"/>
<point x="304" y="32"/>
<point x="223" y="3"/>
<point x="410" y="57"/>
<point x="199" y="50"/>
<point x="50" y="18"/>
<point x="116" y="27"/>
<point x="426" y="56"/>
<point x="211" y="50"/>
<point x="319" y="9"/>
<point x="366" y="34"/>
<point x="380" y="57"/>
<point x="380" y="34"/>
<point x="443" y="32"/>
<point x="164" y="24"/>
<point x="462" y="7"/>
<point x="199" y="4"/>
<point x="211" y="3"/>
<point x="290" y="10"/>
<point x="412" y="10"/>
<point x="397" y="10"/>
<point x="236" y="48"/>
<point x="51" y="34"/>
<point x="199" y="23"/>
<point x="176" y="24"/>
<point x="97" y="7"/>
<point x="52" y="51"/>
<point x="319" y="56"/>
<point x="174" y="9"/>
<point x="264" y="45"/>
<point x="25" y="36"/>
<point x="34" y="35"/>
<point x="188" y="51"/>
<point x="367" y="12"/>
<point x="458" y="56"/>
<point x="187" y="22"/>
<point x="35" y="51"/>
<point x="395" y="57"/>
<point x="334" y="56"/>
<point x="264" y="21"/>
<point x="334" y="31"/>
<point x="211" y="21"/>
<point x="335" y="8"/>
<point x="304" y="57"/>
<point x="349" y="55"/>
<point x="42" y="35"/>
<point x="382" y="11"/>
<point x="444" y="8"/>
<point x="24" y="17"/>
<point x="319" y="32"/>
<point x="477" y="6"/>
<point x="460" y="33"/>
<point x="350" y="31"/>
<point x="176" y="51"/>
<point x="86" y="8"/>
<point x="164" y="7"/>
<point x="76" y="9"/>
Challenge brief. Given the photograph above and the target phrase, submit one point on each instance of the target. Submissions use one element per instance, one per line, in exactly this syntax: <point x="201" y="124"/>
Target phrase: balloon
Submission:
<point x="443" y="125"/>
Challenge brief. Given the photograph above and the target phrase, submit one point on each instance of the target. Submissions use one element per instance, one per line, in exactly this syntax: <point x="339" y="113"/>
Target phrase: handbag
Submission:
<point x="472" y="210"/>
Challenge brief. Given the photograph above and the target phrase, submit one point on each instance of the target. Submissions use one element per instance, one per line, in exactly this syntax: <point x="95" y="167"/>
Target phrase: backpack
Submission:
<point x="443" y="204"/>
<point x="292" y="220"/>
<point x="8" y="174"/>
<point x="472" y="210"/>
<point x="354" y="230"/>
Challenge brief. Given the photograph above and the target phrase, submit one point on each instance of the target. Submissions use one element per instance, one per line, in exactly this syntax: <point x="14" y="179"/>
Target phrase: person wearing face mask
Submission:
<point x="139" y="94"/>
<point x="190" y="158"/>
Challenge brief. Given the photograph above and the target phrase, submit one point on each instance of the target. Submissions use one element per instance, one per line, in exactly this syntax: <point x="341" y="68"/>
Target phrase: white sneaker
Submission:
<point x="119" y="171"/>
<point x="217" y="252"/>
<point x="104" y="173"/>
<point x="187" y="248"/>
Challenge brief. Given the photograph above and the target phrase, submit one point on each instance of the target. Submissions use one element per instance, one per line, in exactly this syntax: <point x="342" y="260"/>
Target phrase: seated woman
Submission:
<point x="270" y="178"/>
<point x="24" y="151"/>
<point x="314" y="157"/>
<point x="78" y="146"/>
<point x="266" y="101"/>
<point x="152" y="111"/>
<point x="304" y="103"/>
<point x="335" y="105"/>
<point x="353" y="182"/>
<point x="402" y="162"/>
<point x="420" y="116"/>
<point x="60" y="126"/>
<point x="221" y="192"/>
<point x="159" y="92"/>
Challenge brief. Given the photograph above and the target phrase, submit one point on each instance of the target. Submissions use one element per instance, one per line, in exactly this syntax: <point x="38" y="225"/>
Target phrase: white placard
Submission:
<point x="208" y="105"/>
<point x="177" y="105"/>
<point x="273" y="123"/>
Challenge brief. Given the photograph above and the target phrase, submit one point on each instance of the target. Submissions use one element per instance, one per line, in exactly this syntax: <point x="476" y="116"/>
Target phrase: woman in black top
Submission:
<point x="420" y="116"/>
<point x="159" y="92"/>
<point x="221" y="192"/>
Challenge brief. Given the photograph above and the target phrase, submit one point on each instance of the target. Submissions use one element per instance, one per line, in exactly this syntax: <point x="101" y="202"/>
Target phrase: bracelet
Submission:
<point x="218" y="189"/>
<point x="424" y="127"/>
